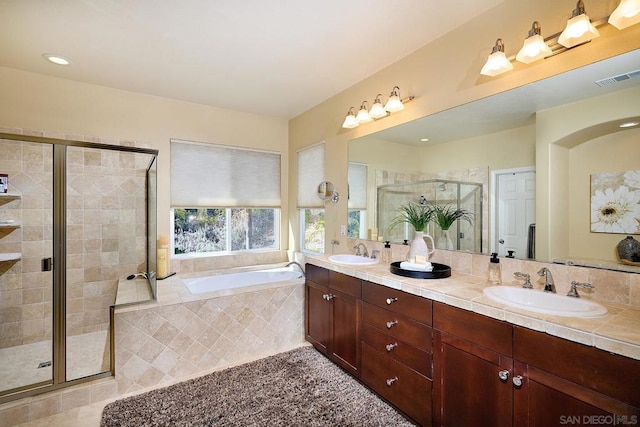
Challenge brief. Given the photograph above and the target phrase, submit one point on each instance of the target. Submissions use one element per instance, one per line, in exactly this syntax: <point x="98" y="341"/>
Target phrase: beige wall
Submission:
<point x="444" y="74"/>
<point x="63" y="108"/>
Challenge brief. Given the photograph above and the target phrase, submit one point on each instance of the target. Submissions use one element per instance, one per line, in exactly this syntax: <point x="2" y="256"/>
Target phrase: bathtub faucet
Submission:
<point x="299" y="266"/>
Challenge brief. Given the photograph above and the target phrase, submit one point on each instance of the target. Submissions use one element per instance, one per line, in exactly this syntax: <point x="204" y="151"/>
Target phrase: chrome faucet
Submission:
<point x="299" y="266"/>
<point x="549" y="286"/>
<point x="357" y="248"/>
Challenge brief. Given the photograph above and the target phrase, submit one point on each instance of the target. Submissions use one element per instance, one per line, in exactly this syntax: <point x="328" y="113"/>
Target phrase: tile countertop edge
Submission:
<point x="465" y="292"/>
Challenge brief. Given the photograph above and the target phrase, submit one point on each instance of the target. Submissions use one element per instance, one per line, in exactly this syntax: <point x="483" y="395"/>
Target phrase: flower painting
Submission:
<point x="615" y="202"/>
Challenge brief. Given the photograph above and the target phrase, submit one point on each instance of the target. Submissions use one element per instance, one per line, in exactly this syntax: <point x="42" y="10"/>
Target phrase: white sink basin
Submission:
<point x="544" y="302"/>
<point x="349" y="259"/>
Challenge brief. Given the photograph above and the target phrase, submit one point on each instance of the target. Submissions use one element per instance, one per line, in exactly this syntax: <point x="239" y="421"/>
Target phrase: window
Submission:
<point x="224" y="230"/>
<point x="356" y="220"/>
<point x="224" y="199"/>
<point x="310" y="206"/>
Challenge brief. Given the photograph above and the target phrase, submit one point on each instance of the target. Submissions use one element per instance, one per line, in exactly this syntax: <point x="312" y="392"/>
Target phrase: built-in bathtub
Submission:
<point x="218" y="282"/>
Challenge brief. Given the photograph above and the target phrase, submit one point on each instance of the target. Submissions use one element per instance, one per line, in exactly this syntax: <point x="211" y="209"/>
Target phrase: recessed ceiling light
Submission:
<point x="629" y="124"/>
<point x="56" y="59"/>
<point x="424" y="139"/>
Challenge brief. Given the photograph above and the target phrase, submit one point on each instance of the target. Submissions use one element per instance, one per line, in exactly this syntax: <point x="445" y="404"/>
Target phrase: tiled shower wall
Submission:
<point x="106" y="235"/>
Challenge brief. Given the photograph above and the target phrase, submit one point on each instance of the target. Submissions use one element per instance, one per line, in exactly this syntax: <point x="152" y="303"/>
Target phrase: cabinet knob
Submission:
<point x="517" y="381"/>
<point x="390" y="347"/>
<point x="390" y="381"/>
<point x="391" y="300"/>
<point x="328" y="297"/>
<point x="391" y="323"/>
<point x="504" y="375"/>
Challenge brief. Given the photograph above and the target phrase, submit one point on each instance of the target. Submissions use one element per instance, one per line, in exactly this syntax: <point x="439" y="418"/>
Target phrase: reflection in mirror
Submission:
<point x="564" y="126"/>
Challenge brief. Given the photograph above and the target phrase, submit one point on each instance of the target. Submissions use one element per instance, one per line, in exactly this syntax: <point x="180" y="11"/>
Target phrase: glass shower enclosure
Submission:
<point x="76" y="219"/>
<point x="466" y="236"/>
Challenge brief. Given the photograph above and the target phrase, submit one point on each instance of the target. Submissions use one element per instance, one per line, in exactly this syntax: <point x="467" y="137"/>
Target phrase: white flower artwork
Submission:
<point x="615" y="202"/>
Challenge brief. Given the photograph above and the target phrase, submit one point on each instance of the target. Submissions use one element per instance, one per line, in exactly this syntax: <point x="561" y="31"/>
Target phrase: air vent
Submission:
<point x="619" y="78"/>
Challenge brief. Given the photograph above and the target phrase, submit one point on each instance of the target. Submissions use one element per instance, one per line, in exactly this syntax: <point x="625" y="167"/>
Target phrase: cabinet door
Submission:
<point x="468" y="389"/>
<point x="317" y="316"/>
<point x="345" y="332"/>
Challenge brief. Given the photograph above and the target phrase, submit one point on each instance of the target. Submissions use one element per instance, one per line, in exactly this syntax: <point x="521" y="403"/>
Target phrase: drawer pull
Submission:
<point x="503" y="375"/>
<point x="517" y="381"/>
<point x="328" y="297"/>
<point x="391" y="300"/>
<point x="390" y="347"/>
<point x="390" y="381"/>
<point x="391" y="323"/>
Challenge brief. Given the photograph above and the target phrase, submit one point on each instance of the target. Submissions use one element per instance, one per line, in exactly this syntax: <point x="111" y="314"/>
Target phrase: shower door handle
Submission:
<point x="47" y="264"/>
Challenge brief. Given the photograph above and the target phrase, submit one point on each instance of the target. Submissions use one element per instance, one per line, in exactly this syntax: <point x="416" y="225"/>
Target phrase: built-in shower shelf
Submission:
<point x="9" y="225"/>
<point x="11" y="256"/>
<point x="10" y="196"/>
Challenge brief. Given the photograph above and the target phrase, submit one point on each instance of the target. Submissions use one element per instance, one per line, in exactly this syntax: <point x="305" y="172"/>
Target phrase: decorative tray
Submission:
<point x="440" y="271"/>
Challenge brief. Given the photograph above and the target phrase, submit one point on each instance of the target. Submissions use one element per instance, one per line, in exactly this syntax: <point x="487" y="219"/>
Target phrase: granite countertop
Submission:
<point x="617" y="332"/>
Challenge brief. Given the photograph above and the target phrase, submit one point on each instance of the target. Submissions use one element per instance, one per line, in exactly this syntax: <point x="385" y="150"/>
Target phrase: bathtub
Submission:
<point x="199" y="285"/>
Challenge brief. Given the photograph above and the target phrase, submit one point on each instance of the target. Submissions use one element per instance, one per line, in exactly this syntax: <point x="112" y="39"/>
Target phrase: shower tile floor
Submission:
<point x="87" y="354"/>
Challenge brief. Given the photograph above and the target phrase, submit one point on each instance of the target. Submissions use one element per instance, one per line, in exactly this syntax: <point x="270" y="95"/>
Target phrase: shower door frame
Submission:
<point x="59" y="280"/>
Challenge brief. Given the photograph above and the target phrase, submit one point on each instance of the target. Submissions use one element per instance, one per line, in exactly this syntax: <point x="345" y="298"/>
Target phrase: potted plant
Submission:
<point x="418" y="216"/>
<point x="444" y="216"/>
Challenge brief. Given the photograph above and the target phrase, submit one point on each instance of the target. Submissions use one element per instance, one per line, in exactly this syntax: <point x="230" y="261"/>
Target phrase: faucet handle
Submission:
<point x="573" y="292"/>
<point x="357" y="248"/>
<point x="527" y="279"/>
<point x="374" y="253"/>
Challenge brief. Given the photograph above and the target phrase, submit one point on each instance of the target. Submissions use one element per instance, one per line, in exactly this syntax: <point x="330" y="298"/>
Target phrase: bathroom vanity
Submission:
<point x="410" y="342"/>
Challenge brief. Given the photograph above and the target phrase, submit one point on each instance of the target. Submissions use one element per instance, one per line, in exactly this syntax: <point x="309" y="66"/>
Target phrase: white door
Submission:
<point x="516" y="202"/>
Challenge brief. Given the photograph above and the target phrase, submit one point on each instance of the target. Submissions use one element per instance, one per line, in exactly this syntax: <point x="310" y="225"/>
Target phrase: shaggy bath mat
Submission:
<point x="297" y="388"/>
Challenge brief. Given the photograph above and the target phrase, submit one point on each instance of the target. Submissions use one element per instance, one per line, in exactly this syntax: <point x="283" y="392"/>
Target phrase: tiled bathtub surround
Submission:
<point x="180" y="336"/>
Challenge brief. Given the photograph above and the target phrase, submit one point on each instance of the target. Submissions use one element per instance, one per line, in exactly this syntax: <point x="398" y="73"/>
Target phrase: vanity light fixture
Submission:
<point x="56" y="59"/>
<point x="377" y="109"/>
<point x="394" y="103"/>
<point x="497" y="63"/>
<point x="363" y="114"/>
<point x="579" y="28"/>
<point x="626" y="14"/>
<point x="534" y="47"/>
<point x="350" y="121"/>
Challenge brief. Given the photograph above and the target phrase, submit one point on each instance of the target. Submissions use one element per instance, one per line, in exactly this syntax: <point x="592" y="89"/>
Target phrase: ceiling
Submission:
<point x="276" y="58"/>
<point x="517" y="107"/>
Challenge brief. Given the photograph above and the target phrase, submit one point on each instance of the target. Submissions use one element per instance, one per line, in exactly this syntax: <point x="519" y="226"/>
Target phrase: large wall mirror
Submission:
<point x="532" y="149"/>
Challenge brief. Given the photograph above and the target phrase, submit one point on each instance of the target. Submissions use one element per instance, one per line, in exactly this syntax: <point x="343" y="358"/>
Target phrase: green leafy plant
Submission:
<point x="445" y="215"/>
<point x="415" y="214"/>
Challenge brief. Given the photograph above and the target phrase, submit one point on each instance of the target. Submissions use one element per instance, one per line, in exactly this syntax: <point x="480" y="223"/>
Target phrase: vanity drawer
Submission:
<point x="316" y="274"/>
<point x="346" y="284"/>
<point x="412" y="306"/>
<point x="403" y="328"/>
<point x="404" y="388"/>
<point x="485" y="331"/>
<point x="393" y="348"/>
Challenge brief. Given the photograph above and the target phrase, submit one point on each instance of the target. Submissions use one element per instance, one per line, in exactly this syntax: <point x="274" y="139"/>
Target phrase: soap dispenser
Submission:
<point x="495" y="273"/>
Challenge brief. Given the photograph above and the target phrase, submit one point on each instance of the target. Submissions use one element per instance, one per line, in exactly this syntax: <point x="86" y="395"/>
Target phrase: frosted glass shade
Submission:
<point x="497" y="63"/>
<point x="394" y="104"/>
<point x="377" y="110"/>
<point x="363" y="116"/>
<point x="533" y="49"/>
<point x="350" y="121"/>
<point x="626" y="14"/>
<point x="579" y="30"/>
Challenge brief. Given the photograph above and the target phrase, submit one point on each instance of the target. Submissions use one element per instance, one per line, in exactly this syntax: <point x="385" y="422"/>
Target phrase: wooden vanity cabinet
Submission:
<point x="564" y="381"/>
<point x="333" y="302"/>
<point x="397" y="349"/>
<point x="471" y="352"/>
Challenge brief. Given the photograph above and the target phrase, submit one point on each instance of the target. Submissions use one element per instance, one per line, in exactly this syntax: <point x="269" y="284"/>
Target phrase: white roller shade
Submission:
<point x="208" y="175"/>
<point x="357" y="186"/>
<point x="310" y="175"/>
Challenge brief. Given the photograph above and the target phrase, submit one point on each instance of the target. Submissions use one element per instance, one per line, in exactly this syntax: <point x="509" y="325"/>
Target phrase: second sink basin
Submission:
<point x="544" y="302"/>
<point x="350" y="259"/>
